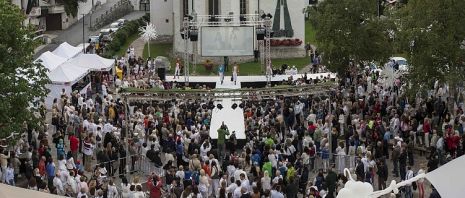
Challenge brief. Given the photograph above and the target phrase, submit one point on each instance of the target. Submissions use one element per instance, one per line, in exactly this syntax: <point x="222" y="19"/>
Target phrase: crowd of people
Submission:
<point x="294" y="145"/>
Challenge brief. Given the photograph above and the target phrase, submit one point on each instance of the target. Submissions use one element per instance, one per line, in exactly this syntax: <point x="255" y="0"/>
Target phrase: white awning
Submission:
<point x="92" y="62"/>
<point x="50" y="60"/>
<point x="67" y="51"/>
<point x="67" y="73"/>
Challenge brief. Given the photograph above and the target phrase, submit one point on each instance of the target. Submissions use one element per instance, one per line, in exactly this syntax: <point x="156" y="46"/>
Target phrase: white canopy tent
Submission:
<point x="63" y="77"/>
<point x="92" y="62"/>
<point x="67" y="51"/>
<point x="67" y="73"/>
<point x="50" y="60"/>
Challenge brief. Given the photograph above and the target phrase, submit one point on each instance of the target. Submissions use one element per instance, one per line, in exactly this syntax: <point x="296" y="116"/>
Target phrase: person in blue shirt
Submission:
<point x="10" y="175"/>
<point x="50" y="169"/>
<point x="221" y="72"/>
<point x="325" y="157"/>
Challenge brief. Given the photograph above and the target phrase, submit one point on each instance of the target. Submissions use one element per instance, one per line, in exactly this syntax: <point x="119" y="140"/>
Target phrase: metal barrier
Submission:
<point x="118" y="10"/>
<point x="340" y="162"/>
<point x="132" y="164"/>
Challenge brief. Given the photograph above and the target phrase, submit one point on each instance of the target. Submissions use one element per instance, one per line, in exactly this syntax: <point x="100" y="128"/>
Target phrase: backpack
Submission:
<point x="195" y="178"/>
<point x="312" y="152"/>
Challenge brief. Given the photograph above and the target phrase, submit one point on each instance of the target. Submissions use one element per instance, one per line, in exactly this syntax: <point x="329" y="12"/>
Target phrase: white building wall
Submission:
<point x="201" y="8"/>
<point x="162" y="16"/>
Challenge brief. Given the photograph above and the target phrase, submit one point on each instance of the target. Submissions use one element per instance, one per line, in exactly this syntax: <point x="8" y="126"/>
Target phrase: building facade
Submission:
<point x="50" y="14"/>
<point x="288" y="21"/>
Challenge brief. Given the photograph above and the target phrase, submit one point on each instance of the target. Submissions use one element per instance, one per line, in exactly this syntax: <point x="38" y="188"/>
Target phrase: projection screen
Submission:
<point x="227" y="41"/>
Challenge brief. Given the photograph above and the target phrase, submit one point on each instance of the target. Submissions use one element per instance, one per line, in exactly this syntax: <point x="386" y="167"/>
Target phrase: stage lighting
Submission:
<point x="263" y="16"/>
<point x="242" y="105"/>
<point x="269" y="15"/>
<point x="260" y="34"/>
<point x="219" y="106"/>
<point x="234" y="106"/>
<point x="183" y="36"/>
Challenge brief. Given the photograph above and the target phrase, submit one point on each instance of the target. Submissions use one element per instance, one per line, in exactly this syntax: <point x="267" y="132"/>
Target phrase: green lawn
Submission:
<point x="125" y="46"/>
<point x="310" y="33"/>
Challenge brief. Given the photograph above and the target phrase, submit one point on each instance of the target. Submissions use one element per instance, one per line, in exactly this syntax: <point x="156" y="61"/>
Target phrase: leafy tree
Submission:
<point x="434" y="32"/>
<point x="72" y="6"/>
<point x="21" y="81"/>
<point x="350" y="31"/>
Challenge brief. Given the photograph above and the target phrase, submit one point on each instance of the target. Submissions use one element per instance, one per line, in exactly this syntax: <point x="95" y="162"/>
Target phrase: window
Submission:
<point x="144" y="5"/>
<point x="213" y="7"/>
<point x="243" y="6"/>
<point x="185" y="8"/>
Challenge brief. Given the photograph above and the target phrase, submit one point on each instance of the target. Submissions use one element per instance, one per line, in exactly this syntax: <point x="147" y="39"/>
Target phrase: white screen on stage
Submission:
<point x="227" y="41"/>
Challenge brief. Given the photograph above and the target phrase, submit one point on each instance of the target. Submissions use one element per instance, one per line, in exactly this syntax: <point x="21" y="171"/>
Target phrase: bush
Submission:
<point x="120" y="37"/>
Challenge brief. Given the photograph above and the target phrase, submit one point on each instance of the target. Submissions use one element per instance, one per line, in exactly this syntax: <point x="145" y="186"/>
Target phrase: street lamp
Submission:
<point x="83" y="35"/>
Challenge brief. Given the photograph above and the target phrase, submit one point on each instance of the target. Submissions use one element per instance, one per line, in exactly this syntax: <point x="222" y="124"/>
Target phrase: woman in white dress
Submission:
<point x="235" y="72"/>
<point x="204" y="183"/>
<point x="125" y="188"/>
<point x="177" y="69"/>
<point x="341" y="155"/>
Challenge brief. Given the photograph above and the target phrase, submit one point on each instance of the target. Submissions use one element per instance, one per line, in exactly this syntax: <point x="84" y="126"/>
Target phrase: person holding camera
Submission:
<point x="222" y="132"/>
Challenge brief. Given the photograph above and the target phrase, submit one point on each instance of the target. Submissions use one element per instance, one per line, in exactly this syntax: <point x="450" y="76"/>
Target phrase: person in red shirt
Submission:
<point x="206" y="168"/>
<point x="154" y="184"/>
<point x="73" y="145"/>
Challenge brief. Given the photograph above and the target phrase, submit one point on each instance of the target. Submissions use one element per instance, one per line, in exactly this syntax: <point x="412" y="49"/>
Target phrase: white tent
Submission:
<point x="92" y="62"/>
<point x="67" y="73"/>
<point x="50" y="60"/>
<point x="67" y="51"/>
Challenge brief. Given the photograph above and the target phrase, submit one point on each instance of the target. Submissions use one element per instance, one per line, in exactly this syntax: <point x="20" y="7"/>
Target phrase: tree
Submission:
<point x="22" y="82"/>
<point x="434" y="33"/>
<point x="350" y="31"/>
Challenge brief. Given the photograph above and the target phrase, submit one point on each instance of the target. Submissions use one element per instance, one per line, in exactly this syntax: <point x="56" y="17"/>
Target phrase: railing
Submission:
<point x="118" y="10"/>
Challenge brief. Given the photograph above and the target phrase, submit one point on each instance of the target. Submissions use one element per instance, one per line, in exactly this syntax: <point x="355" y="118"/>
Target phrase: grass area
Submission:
<point x="249" y="68"/>
<point x="125" y="46"/>
<point x="310" y="33"/>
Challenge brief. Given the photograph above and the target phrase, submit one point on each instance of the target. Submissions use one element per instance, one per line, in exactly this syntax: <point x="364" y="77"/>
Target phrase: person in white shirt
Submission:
<point x="58" y="185"/>
<point x="237" y="191"/>
<point x="245" y="184"/>
<point x="408" y="187"/>
<point x="232" y="187"/>
<point x="204" y="149"/>
<point x="275" y="193"/>
<point x="112" y="191"/>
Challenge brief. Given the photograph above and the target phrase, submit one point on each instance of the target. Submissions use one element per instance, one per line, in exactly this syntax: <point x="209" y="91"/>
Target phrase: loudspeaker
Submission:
<point x="260" y="34"/>
<point x="194" y="35"/>
<point x="161" y="73"/>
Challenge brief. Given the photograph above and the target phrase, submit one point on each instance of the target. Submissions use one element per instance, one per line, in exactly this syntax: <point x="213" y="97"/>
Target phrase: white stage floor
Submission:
<point x="262" y="78"/>
<point x="233" y="118"/>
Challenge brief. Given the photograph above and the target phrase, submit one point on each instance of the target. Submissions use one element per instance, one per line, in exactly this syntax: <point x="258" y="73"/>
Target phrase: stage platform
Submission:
<point x="248" y="79"/>
<point x="233" y="118"/>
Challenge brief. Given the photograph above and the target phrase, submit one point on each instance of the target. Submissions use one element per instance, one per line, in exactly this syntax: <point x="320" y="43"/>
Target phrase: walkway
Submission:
<point x="233" y="118"/>
<point x="73" y="35"/>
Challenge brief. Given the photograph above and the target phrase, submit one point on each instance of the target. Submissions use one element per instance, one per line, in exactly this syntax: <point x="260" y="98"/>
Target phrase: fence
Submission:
<point x="118" y="10"/>
<point x="340" y="162"/>
<point x="132" y="164"/>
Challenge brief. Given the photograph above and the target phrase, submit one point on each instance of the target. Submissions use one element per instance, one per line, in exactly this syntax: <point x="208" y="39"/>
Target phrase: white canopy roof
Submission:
<point x="50" y="60"/>
<point x="67" y="73"/>
<point x="67" y="51"/>
<point x="92" y="62"/>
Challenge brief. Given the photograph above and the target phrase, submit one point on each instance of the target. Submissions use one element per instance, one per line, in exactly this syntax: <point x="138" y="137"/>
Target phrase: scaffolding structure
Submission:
<point x="186" y="49"/>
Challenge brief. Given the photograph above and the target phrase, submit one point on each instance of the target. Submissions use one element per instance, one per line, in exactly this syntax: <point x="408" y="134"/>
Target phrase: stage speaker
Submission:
<point x="260" y="34"/>
<point x="161" y="73"/>
<point x="194" y="35"/>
